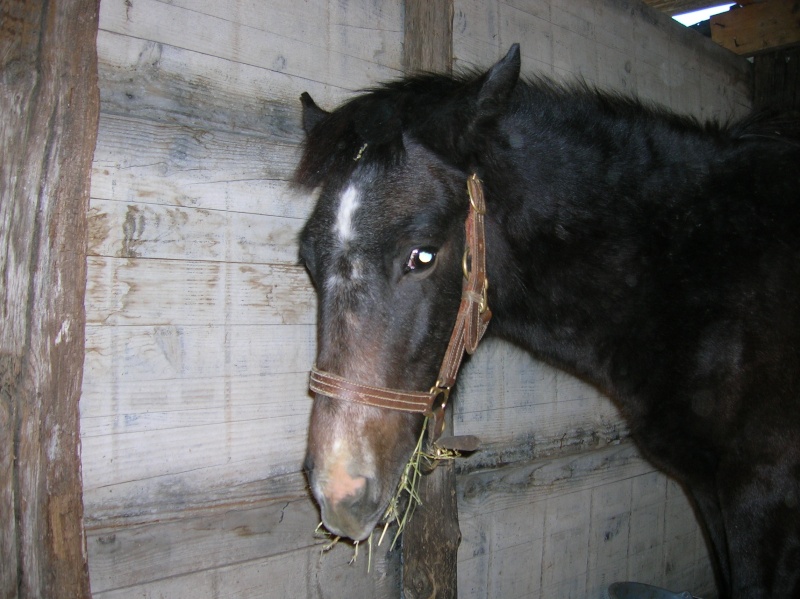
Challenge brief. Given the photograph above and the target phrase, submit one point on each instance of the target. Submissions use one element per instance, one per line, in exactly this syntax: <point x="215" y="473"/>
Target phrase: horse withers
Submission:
<point x="654" y="256"/>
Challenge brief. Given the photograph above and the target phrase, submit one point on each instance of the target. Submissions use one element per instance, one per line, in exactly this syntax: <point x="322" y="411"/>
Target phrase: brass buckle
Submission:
<point x="484" y="305"/>
<point x="478" y="209"/>
<point x="440" y="395"/>
<point x="439" y="390"/>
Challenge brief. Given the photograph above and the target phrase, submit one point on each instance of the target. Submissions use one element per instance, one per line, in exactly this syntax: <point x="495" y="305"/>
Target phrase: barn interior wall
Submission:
<point x="200" y="323"/>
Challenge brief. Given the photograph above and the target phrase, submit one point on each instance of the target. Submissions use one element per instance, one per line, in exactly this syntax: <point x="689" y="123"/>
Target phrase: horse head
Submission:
<point x="384" y="248"/>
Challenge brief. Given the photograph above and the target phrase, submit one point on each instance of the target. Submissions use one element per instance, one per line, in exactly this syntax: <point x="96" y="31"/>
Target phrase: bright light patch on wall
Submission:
<point x="694" y="17"/>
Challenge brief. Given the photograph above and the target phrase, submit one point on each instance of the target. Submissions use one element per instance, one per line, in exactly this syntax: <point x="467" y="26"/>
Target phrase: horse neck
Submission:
<point x="579" y="216"/>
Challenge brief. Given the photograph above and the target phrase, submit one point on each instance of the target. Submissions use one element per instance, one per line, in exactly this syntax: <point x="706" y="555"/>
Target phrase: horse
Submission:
<point x="654" y="256"/>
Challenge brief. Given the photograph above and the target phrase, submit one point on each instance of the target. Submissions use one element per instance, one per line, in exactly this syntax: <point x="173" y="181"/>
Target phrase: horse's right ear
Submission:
<point x="312" y="114"/>
<point x="498" y="83"/>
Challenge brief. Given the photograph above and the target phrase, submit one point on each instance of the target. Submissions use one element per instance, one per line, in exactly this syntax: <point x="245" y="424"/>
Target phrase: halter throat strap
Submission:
<point x="471" y="322"/>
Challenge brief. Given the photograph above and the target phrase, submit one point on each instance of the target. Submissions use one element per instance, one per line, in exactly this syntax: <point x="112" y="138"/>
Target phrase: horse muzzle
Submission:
<point x="350" y="506"/>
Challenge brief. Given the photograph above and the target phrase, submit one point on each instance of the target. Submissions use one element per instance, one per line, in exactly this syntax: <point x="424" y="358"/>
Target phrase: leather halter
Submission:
<point x="471" y="322"/>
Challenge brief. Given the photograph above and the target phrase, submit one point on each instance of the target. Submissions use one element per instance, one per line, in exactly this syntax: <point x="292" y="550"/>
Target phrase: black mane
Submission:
<point x="433" y="109"/>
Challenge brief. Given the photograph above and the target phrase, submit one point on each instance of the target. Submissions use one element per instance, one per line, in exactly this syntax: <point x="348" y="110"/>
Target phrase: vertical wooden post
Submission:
<point x="432" y="537"/>
<point x="776" y="80"/>
<point x="49" y="103"/>
<point x="428" y="36"/>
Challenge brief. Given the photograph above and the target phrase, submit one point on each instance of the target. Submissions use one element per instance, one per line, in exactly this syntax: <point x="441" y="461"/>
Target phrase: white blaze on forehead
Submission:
<point x="348" y="204"/>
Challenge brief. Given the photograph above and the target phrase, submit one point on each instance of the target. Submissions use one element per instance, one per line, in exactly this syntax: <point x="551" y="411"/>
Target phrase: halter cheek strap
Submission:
<point x="471" y="322"/>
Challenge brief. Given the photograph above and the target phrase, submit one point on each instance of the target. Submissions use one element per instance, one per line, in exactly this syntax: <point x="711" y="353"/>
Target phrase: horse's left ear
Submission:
<point x="312" y="114"/>
<point x="498" y="83"/>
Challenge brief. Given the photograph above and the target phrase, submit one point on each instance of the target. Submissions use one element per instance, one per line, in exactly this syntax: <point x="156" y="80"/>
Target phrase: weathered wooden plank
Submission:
<point x="151" y="404"/>
<point x="362" y="28"/>
<point x="305" y="573"/>
<point x="204" y="540"/>
<point x="158" y="428"/>
<point x="776" y="80"/>
<point x="569" y="526"/>
<point x="476" y="40"/>
<point x="167" y="497"/>
<point x="179" y="405"/>
<point x="138" y="160"/>
<point x="758" y="27"/>
<point x="163" y="83"/>
<point x="190" y="448"/>
<point x="124" y="291"/>
<point x="136" y="230"/>
<point x="428" y="36"/>
<point x="295" y="46"/>
<point x="488" y="490"/>
<point x="49" y="105"/>
<point x="151" y="553"/>
<point x="144" y="353"/>
<point x="189" y="459"/>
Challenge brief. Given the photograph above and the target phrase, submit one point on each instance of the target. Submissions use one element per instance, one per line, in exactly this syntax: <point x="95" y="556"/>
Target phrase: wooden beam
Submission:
<point x="776" y="80"/>
<point x="758" y="27"/>
<point x="432" y="537"/>
<point x="428" y="36"/>
<point x="49" y="101"/>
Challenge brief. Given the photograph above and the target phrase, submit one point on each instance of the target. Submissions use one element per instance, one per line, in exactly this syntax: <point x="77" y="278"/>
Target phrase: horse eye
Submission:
<point x="420" y="259"/>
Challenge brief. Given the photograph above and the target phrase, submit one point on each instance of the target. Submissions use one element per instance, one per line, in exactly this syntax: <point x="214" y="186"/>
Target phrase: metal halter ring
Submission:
<point x="439" y="390"/>
<point x="465" y="262"/>
<point x="477" y="208"/>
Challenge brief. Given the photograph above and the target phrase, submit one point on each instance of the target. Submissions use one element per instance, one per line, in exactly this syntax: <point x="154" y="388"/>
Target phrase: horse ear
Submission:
<point x="312" y="114"/>
<point x="498" y="83"/>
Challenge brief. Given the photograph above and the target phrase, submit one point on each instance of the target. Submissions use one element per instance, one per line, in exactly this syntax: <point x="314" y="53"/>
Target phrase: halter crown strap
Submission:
<point x="471" y="322"/>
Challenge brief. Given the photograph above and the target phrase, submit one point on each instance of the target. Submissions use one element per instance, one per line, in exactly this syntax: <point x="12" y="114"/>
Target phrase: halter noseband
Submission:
<point x="471" y="322"/>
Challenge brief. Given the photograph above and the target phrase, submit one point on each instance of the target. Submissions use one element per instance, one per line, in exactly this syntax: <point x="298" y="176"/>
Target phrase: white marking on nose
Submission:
<point x="336" y="483"/>
<point x="348" y="204"/>
<point x="342" y="485"/>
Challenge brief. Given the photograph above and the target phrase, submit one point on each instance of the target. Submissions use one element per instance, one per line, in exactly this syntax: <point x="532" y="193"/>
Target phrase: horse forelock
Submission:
<point x="371" y="127"/>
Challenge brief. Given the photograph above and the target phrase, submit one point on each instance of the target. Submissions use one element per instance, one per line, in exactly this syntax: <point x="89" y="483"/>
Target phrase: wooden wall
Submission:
<point x="200" y="324"/>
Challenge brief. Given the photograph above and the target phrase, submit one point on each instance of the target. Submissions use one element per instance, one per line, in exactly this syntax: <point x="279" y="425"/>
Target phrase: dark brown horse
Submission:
<point x="654" y="256"/>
